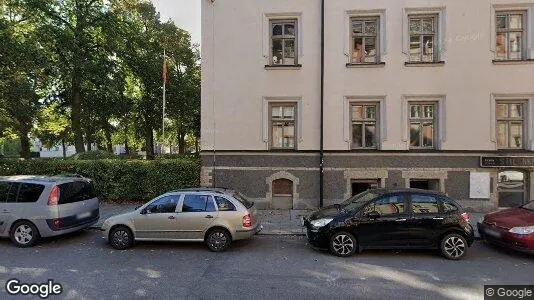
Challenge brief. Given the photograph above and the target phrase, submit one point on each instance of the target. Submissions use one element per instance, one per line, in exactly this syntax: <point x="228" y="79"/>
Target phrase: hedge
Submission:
<point x="116" y="180"/>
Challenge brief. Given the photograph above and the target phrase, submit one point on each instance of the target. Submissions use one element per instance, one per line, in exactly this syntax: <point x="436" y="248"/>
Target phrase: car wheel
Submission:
<point x="24" y="234"/>
<point x="218" y="240"/>
<point x="453" y="246"/>
<point x="343" y="244"/>
<point x="121" y="237"/>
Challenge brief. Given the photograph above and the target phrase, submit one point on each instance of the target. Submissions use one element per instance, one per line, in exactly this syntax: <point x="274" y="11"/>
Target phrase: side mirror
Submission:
<point x="145" y="212"/>
<point x="373" y="215"/>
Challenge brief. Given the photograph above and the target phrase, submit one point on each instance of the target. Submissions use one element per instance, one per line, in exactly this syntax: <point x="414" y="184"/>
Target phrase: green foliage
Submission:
<point x="117" y="180"/>
<point x="93" y="155"/>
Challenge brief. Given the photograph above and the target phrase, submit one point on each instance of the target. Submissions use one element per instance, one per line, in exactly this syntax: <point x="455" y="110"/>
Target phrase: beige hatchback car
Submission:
<point x="215" y="216"/>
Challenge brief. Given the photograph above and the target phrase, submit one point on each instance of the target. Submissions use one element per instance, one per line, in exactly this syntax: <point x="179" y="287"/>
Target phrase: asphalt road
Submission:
<point x="265" y="267"/>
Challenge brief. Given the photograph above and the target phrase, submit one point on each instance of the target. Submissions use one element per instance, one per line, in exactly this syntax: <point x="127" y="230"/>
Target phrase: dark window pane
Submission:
<point x="415" y="111"/>
<point x="289" y="29"/>
<point x="241" y="198"/>
<point x="370" y="112"/>
<point x="76" y="191"/>
<point x="501" y="22"/>
<point x="277" y="29"/>
<point x="166" y="204"/>
<point x="428" y="25"/>
<point x="422" y="204"/>
<point x="8" y="192"/>
<point x="195" y="203"/>
<point x="224" y="204"/>
<point x="370" y="135"/>
<point x="277" y="52"/>
<point x="357" y="135"/>
<point x="448" y="206"/>
<point x="30" y="192"/>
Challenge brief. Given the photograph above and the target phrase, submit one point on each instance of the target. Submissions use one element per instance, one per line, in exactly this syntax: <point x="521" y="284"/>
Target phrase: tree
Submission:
<point x="53" y="127"/>
<point x="22" y="68"/>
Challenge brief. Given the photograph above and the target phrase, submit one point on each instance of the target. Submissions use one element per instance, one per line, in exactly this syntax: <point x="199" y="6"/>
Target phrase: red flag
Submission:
<point x="164" y="69"/>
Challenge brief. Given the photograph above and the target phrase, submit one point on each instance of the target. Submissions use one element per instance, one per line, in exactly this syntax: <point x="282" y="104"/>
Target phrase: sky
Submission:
<point x="184" y="13"/>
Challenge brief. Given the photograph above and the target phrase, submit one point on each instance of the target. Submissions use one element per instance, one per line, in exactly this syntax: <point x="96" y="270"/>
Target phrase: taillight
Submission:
<point x="465" y="216"/>
<point x="53" y="199"/>
<point x="247" y="221"/>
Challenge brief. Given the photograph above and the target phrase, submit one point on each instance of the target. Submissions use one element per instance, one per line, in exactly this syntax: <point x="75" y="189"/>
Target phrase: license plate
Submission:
<point x="83" y="215"/>
<point x="492" y="233"/>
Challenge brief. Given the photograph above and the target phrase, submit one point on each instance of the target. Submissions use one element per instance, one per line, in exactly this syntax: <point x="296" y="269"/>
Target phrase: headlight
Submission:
<point x="523" y="230"/>
<point x="321" y="222"/>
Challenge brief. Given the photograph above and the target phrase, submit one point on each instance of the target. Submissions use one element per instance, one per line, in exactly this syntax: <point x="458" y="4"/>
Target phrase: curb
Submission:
<point x="282" y="233"/>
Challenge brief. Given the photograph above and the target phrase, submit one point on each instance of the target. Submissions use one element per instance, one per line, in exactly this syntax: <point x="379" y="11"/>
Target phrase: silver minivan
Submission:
<point x="32" y="207"/>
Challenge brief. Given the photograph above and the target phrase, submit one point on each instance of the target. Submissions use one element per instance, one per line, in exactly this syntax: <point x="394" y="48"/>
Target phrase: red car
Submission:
<point x="512" y="228"/>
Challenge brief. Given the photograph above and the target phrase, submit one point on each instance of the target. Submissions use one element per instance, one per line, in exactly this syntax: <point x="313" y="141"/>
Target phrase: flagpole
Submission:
<point x="164" y="90"/>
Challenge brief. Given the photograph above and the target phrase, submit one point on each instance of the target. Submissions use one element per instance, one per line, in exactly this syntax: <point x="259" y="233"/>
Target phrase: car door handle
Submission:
<point x="400" y="220"/>
<point x="209" y="217"/>
<point x="437" y="218"/>
<point x="171" y="218"/>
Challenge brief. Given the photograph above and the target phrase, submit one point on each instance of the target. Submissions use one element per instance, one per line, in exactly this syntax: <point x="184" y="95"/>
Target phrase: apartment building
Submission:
<point x="307" y="102"/>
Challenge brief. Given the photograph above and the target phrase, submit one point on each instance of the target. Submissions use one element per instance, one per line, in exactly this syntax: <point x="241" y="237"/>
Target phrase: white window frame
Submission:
<point x="529" y="23"/>
<point x="266" y="122"/>
<point x="441" y="40"/>
<point x="381" y="116"/>
<point x="266" y="34"/>
<point x="382" y="32"/>
<point x="528" y="119"/>
<point x="440" y="126"/>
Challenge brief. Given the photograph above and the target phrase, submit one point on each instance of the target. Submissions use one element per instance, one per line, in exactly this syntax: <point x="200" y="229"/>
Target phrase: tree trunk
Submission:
<point x="149" y="143"/>
<point x="107" y="134"/>
<point x="181" y="143"/>
<point x="76" y="101"/>
<point x="24" y="144"/>
<point x="64" y="148"/>
<point x="126" y="146"/>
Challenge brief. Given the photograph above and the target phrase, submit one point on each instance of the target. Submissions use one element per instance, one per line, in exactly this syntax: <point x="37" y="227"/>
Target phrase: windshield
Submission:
<point x="243" y="200"/>
<point x="529" y="206"/>
<point x="358" y="200"/>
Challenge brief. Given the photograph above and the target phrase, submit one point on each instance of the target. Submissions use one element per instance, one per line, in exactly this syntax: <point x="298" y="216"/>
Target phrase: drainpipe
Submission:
<point x="321" y="152"/>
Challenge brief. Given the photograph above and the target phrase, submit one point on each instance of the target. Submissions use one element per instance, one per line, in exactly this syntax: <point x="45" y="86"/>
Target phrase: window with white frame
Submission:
<point x="283" y="125"/>
<point x="510" y="124"/>
<point x="423" y="35"/>
<point x="365" y="40"/>
<point x="284" y="42"/>
<point x="364" y="125"/>
<point x="422" y="124"/>
<point x="510" y="31"/>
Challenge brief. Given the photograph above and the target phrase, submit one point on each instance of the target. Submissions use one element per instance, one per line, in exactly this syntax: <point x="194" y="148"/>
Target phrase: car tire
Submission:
<point x="121" y="238"/>
<point x="218" y="240"/>
<point x="343" y="244"/>
<point x="24" y="234"/>
<point x="453" y="246"/>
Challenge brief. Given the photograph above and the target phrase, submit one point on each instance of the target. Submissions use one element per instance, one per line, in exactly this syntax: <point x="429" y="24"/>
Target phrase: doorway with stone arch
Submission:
<point x="282" y="190"/>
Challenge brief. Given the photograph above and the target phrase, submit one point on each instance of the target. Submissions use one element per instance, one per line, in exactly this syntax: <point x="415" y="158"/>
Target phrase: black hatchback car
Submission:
<point x="392" y="219"/>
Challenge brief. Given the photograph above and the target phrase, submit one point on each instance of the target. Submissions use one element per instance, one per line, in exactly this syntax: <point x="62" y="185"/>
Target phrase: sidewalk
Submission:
<point x="275" y="222"/>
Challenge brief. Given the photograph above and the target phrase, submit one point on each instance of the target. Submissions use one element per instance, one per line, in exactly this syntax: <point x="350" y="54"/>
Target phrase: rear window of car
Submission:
<point x="243" y="200"/>
<point x="14" y="192"/>
<point x="448" y="205"/>
<point x="76" y="191"/>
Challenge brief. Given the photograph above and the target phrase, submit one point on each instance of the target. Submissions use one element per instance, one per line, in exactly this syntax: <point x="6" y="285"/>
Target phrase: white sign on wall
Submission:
<point x="479" y="185"/>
